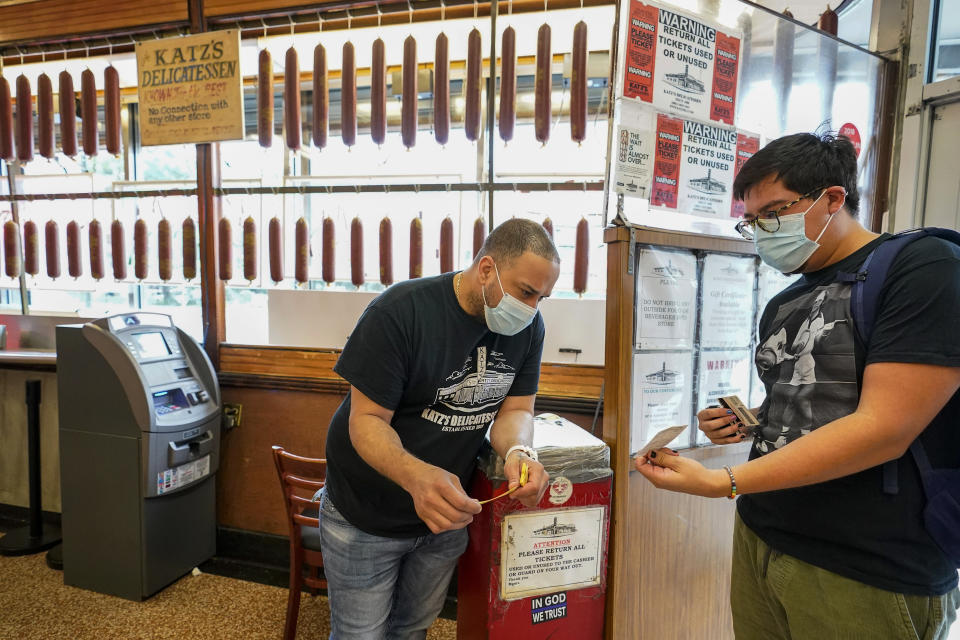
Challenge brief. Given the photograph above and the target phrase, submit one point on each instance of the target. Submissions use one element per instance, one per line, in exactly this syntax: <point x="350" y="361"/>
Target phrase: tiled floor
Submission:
<point x="36" y="605"/>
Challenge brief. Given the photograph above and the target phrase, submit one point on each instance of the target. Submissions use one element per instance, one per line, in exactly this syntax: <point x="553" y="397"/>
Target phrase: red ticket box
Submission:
<point x="540" y="572"/>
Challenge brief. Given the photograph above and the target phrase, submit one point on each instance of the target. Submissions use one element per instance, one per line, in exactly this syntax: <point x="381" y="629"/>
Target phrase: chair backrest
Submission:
<point x="300" y="479"/>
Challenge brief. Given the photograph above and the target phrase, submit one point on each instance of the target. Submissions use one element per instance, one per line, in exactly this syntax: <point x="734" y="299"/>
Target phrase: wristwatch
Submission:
<point x="530" y="452"/>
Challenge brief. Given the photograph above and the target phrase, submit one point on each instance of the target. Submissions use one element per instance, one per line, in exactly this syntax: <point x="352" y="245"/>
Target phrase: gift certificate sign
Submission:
<point x="681" y="63"/>
<point x="727" y="316"/>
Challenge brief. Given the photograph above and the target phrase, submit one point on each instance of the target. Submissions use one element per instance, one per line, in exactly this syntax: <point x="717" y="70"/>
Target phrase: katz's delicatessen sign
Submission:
<point x="190" y="89"/>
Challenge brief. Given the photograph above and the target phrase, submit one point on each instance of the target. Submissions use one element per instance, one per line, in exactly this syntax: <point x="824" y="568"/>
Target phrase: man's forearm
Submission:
<point x="510" y="428"/>
<point x="843" y="447"/>
<point x="379" y="445"/>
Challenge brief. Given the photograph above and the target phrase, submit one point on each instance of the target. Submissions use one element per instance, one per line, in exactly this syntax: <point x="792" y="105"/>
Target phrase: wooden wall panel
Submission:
<point x="248" y="492"/>
<point x="674" y="582"/>
<point x="61" y="19"/>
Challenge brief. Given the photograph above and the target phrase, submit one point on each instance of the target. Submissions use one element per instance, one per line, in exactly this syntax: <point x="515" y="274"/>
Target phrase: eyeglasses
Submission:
<point x="769" y="221"/>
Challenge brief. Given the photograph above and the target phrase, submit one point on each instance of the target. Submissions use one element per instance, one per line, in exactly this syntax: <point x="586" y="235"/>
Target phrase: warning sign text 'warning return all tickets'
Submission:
<point x="680" y="63"/>
<point x="190" y="89"/>
<point x="695" y="164"/>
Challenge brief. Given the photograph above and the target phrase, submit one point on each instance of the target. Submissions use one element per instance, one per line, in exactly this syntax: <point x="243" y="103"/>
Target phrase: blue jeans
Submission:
<point x="380" y="587"/>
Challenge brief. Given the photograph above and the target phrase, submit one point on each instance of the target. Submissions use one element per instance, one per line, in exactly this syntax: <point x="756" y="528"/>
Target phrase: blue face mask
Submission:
<point x="788" y="248"/>
<point x="511" y="316"/>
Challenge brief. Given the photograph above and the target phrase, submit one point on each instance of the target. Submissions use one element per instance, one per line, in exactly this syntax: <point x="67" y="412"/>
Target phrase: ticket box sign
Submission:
<point x="190" y="89"/>
<point x="540" y="572"/>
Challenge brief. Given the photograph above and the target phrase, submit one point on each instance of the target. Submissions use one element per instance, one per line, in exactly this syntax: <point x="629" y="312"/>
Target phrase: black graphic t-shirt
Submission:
<point x="811" y="362"/>
<point x="443" y="374"/>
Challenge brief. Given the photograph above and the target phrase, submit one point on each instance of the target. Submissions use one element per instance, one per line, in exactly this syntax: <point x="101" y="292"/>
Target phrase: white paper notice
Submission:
<point x="662" y="439"/>
<point x="727" y="316"/>
<point x="723" y="373"/>
<point x="633" y="168"/>
<point x="551" y="550"/>
<point x="662" y="395"/>
<point x="666" y="299"/>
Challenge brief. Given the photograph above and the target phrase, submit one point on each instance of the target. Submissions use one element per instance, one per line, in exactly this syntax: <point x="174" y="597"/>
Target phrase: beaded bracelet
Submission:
<point x="733" y="483"/>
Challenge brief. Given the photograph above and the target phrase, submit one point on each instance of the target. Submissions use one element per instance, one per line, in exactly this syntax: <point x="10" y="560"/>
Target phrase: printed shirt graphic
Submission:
<point x="808" y="363"/>
<point x="811" y="361"/>
<point x="443" y="374"/>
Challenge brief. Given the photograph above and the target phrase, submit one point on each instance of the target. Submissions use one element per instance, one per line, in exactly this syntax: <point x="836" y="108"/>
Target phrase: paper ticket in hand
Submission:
<point x="662" y="439"/>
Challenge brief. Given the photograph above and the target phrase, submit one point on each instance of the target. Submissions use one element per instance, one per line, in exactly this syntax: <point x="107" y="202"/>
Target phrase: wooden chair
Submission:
<point x="300" y="478"/>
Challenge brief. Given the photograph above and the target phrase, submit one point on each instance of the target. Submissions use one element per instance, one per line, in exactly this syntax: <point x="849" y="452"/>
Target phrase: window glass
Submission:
<point x="946" y="54"/>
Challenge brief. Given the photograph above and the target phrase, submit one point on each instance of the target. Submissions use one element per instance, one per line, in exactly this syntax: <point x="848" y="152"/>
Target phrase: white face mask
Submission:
<point x="788" y="248"/>
<point x="511" y="316"/>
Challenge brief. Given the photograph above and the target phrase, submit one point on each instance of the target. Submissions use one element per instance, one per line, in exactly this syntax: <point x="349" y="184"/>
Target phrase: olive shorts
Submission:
<point x="775" y="596"/>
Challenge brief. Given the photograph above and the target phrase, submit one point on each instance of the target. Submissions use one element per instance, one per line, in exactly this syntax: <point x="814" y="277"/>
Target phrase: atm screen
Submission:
<point x="151" y="345"/>
<point x="169" y="400"/>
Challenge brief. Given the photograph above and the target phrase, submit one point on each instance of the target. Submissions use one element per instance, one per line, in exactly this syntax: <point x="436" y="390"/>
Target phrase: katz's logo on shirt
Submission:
<point x="460" y="406"/>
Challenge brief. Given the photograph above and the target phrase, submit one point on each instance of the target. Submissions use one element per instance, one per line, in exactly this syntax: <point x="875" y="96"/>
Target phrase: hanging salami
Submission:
<point x="301" y="267"/>
<point x="250" y="249"/>
<point x="471" y="114"/>
<point x="378" y="93"/>
<point x="446" y="245"/>
<point x="88" y="113"/>
<point x="508" y="84"/>
<point x="441" y="90"/>
<point x="74" y="262"/>
<point x="118" y="251"/>
<point x="141" y="259"/>
<point x="276" y="249"/>
<point x="164" y="250"/>
<point x="95" y="246"/>
<point x="416" y="248"/>
<point x="225" y="247"/>
<point x="386" y="252"/>
<point x="409" y="107"/>
<point x="291" y="99"/>
<point x="265" y="99"/>
<point x="45" y="135"/>
<point x="24" y="120"/>
<point x="321" y="99"/>
<point x="356" y="252"/>
<point x="328" y="257"/>
<point x="111" y="109"/>
<point x="188" y="234"/>
<point x="348" y="96"/>
<point x="68" y="115"/>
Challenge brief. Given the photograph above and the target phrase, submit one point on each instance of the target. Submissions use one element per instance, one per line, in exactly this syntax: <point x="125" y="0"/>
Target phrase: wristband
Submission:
<point x="733" y="483"/>
<point x="527" y="451"/>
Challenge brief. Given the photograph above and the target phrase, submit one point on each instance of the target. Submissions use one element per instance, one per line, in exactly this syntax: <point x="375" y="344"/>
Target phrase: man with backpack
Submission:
<point x="849" y="524"/>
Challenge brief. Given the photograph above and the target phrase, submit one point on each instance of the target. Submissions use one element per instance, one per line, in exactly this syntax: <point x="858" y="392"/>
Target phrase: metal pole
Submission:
<point x="33" y="457"/>
<point x="491" y="100"/>
<point x="14" y="167"/>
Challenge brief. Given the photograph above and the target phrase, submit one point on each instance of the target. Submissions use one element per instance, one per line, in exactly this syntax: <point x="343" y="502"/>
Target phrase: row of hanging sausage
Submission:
<point x="31" y="250"/>
<point x="19" y="143"/>
<point x="441" y="99"/>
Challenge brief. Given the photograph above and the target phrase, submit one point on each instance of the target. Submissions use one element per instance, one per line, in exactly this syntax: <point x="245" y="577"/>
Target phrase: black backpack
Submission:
<point x="941" y="486"/>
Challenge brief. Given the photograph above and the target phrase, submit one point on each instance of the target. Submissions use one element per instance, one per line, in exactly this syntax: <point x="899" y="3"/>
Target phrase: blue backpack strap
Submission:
<point x="864" y="300"/>
<point x="865" y="295"/>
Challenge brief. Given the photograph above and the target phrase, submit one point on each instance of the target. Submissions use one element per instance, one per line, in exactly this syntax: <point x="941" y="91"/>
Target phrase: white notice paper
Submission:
<point x="551" y="550"/>
<point x="662" y="439"/>
<point x="727" y="317"/>
<point x="666" y="299"/>
<point x="723" y="373"/>
<point x="662" y="395"/>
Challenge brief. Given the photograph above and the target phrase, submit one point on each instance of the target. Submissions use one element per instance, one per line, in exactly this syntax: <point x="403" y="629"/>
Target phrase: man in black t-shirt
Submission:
<point x="820" y="550"/>
<point x="431" y="364"/>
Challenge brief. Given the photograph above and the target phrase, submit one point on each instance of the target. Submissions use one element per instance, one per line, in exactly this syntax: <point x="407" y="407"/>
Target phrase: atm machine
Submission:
<point x="139" y="411"/>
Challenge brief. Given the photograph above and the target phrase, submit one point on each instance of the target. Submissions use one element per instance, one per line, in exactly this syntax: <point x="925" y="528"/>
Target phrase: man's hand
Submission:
<point x="666" y="470"/>
<point x="720" y="425"/>
<point x="537" y="478"/>
<point x="440" y="500"/>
